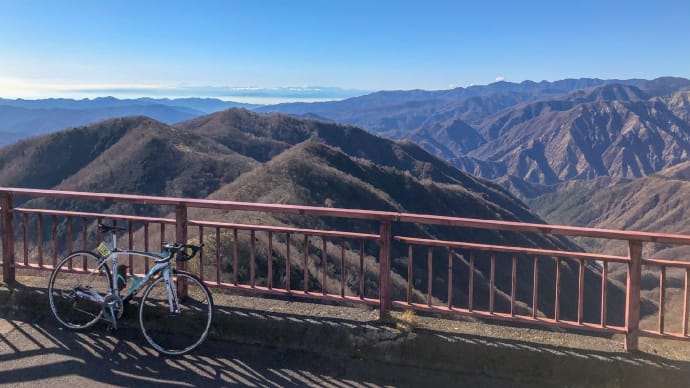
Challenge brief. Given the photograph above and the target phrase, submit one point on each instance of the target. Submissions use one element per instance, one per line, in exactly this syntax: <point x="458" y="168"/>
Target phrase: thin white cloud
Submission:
<point x="17" y="88"/>
<point x="500" y="78"/>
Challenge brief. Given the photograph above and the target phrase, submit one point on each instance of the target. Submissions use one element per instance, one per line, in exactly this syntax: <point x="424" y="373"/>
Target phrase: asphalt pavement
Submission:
<point x="35" y="351"/>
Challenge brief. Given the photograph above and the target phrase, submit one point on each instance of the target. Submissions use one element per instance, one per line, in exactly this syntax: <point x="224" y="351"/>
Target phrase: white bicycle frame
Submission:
<point x="165" y="267"/>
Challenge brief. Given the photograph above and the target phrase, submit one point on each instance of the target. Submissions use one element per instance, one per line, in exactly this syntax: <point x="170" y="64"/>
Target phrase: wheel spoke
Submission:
<point x="185" y="328"/>
<point x="69" y="308"/>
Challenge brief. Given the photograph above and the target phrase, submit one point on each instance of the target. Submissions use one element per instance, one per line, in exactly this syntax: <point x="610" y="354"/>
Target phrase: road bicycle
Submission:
<point x="175" y="310"/>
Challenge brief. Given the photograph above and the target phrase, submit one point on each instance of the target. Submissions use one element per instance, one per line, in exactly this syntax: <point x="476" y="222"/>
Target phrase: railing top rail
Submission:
<point x="204" y="203"/>
<point x="360" y="214"/>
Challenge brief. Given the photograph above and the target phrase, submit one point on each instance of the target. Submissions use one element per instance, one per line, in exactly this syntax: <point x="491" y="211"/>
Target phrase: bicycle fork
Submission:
<point x="172" y="293"/>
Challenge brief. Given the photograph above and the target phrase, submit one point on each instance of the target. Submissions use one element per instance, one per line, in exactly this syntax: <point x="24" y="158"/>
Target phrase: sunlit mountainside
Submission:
<point x="240" y="155"/>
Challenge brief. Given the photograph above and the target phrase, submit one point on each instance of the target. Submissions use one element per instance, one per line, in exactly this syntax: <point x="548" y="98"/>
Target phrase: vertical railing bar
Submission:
<point x="54" y="236"/>
<point x="385" y="290"/>
<point x="632" y="298"/>
<point x="146" y="246"/>
<point x="430" y="278"/>
<point x="218" y="255"/>
<point x="39" y="239"/>
<point x="450" y="278"/>
<point x="470" y="292"/>
<point x="270" y="260"/>
<point x="513" y="285"/>
<point x="68" y="240"/>
<point x="235" y="258"/>
<point x="581" y="291"/>
<point x="130" y="243"/>
<point x="25" y="222"/>
<point x="99" y="234"/>
<point x="662" y="297"/>
<point x="324" y="265"/>
<point x="84" y="234"/>
<point x="686" y="299"/>
<point x="409" y="273"/>
<point x="306" y="263"/>
<point x="535" y="288"/>
<point x="9" y="257"/>
<point x="84" y="242"/>
<point x="252" y="258"/>
<point x="162" y="232"/>
<point x="361" y="269"/>
<point x="557" y="301"/>
<point x="201" y="253"/>
<point x="492" y="290"/>
<point x="342" y="268"/>
<point x="181" y="236"/>
<point x="604" y="277"/>
<point x="287" y="262"/>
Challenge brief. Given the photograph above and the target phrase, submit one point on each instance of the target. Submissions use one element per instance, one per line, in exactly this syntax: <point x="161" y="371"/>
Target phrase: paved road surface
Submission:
<point x="36" y="352"/>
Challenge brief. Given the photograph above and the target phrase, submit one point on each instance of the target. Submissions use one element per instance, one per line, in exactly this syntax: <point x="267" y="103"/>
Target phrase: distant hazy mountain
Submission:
<point x="398" y="113"/>
<point x="191" y="105"/>
<point x="543" y="132"/>
<point x="351" y="108"/>
<point x="20" y="118"/>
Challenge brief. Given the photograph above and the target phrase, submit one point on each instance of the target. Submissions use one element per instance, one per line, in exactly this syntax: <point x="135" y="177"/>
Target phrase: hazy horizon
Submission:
<point x="246" y="95"/>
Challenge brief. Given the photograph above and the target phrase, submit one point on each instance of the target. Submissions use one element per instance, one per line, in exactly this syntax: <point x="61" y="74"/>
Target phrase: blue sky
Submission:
<point x="329" y="49"/>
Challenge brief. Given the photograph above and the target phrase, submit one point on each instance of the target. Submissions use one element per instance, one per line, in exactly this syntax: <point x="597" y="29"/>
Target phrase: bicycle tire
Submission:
<point x="177" y="333"/>
<point x="78" y="269"/>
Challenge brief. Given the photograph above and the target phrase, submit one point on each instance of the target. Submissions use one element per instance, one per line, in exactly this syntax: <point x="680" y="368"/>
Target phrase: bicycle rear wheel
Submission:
<point x="176" y="332"/>
<point x="76" y="275"/>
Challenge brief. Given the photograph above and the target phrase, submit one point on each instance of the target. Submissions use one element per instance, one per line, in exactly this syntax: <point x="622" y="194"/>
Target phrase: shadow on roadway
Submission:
<point x="35" y="350"/>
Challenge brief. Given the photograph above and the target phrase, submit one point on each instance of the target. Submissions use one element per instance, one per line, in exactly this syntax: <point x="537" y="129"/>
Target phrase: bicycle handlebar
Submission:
<point x="179" y="250"/>
<point x="104" y="228"/>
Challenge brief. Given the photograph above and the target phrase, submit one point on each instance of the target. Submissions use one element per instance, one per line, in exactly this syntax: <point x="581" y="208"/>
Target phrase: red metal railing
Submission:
<point x="356" y="267"/>
<point x="535" y="254"/>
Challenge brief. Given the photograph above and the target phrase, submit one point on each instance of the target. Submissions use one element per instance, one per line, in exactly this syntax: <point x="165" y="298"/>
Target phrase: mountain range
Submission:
<point x="244" y="156"/>
<point x="546" y="132"/>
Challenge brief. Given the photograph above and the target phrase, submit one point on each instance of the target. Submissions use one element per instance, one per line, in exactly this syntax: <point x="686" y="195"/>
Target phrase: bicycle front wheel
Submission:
<point x="171" y="330"/>
<point x="76" y="283"/>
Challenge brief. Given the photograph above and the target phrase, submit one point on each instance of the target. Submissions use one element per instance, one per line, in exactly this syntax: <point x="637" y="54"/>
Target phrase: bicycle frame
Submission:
<point x="165" y="268"/>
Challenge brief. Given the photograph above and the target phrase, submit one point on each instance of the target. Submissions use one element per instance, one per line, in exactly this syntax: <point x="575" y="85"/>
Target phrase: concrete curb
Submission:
<point x="519" y="362"/>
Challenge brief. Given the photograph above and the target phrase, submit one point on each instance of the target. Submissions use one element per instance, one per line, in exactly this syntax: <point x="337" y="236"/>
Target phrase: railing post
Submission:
<point x="385" y="269"/>
<point x="632" y="300"/>
<point x="7" y="238"/>
<point x="181" y="237"/>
